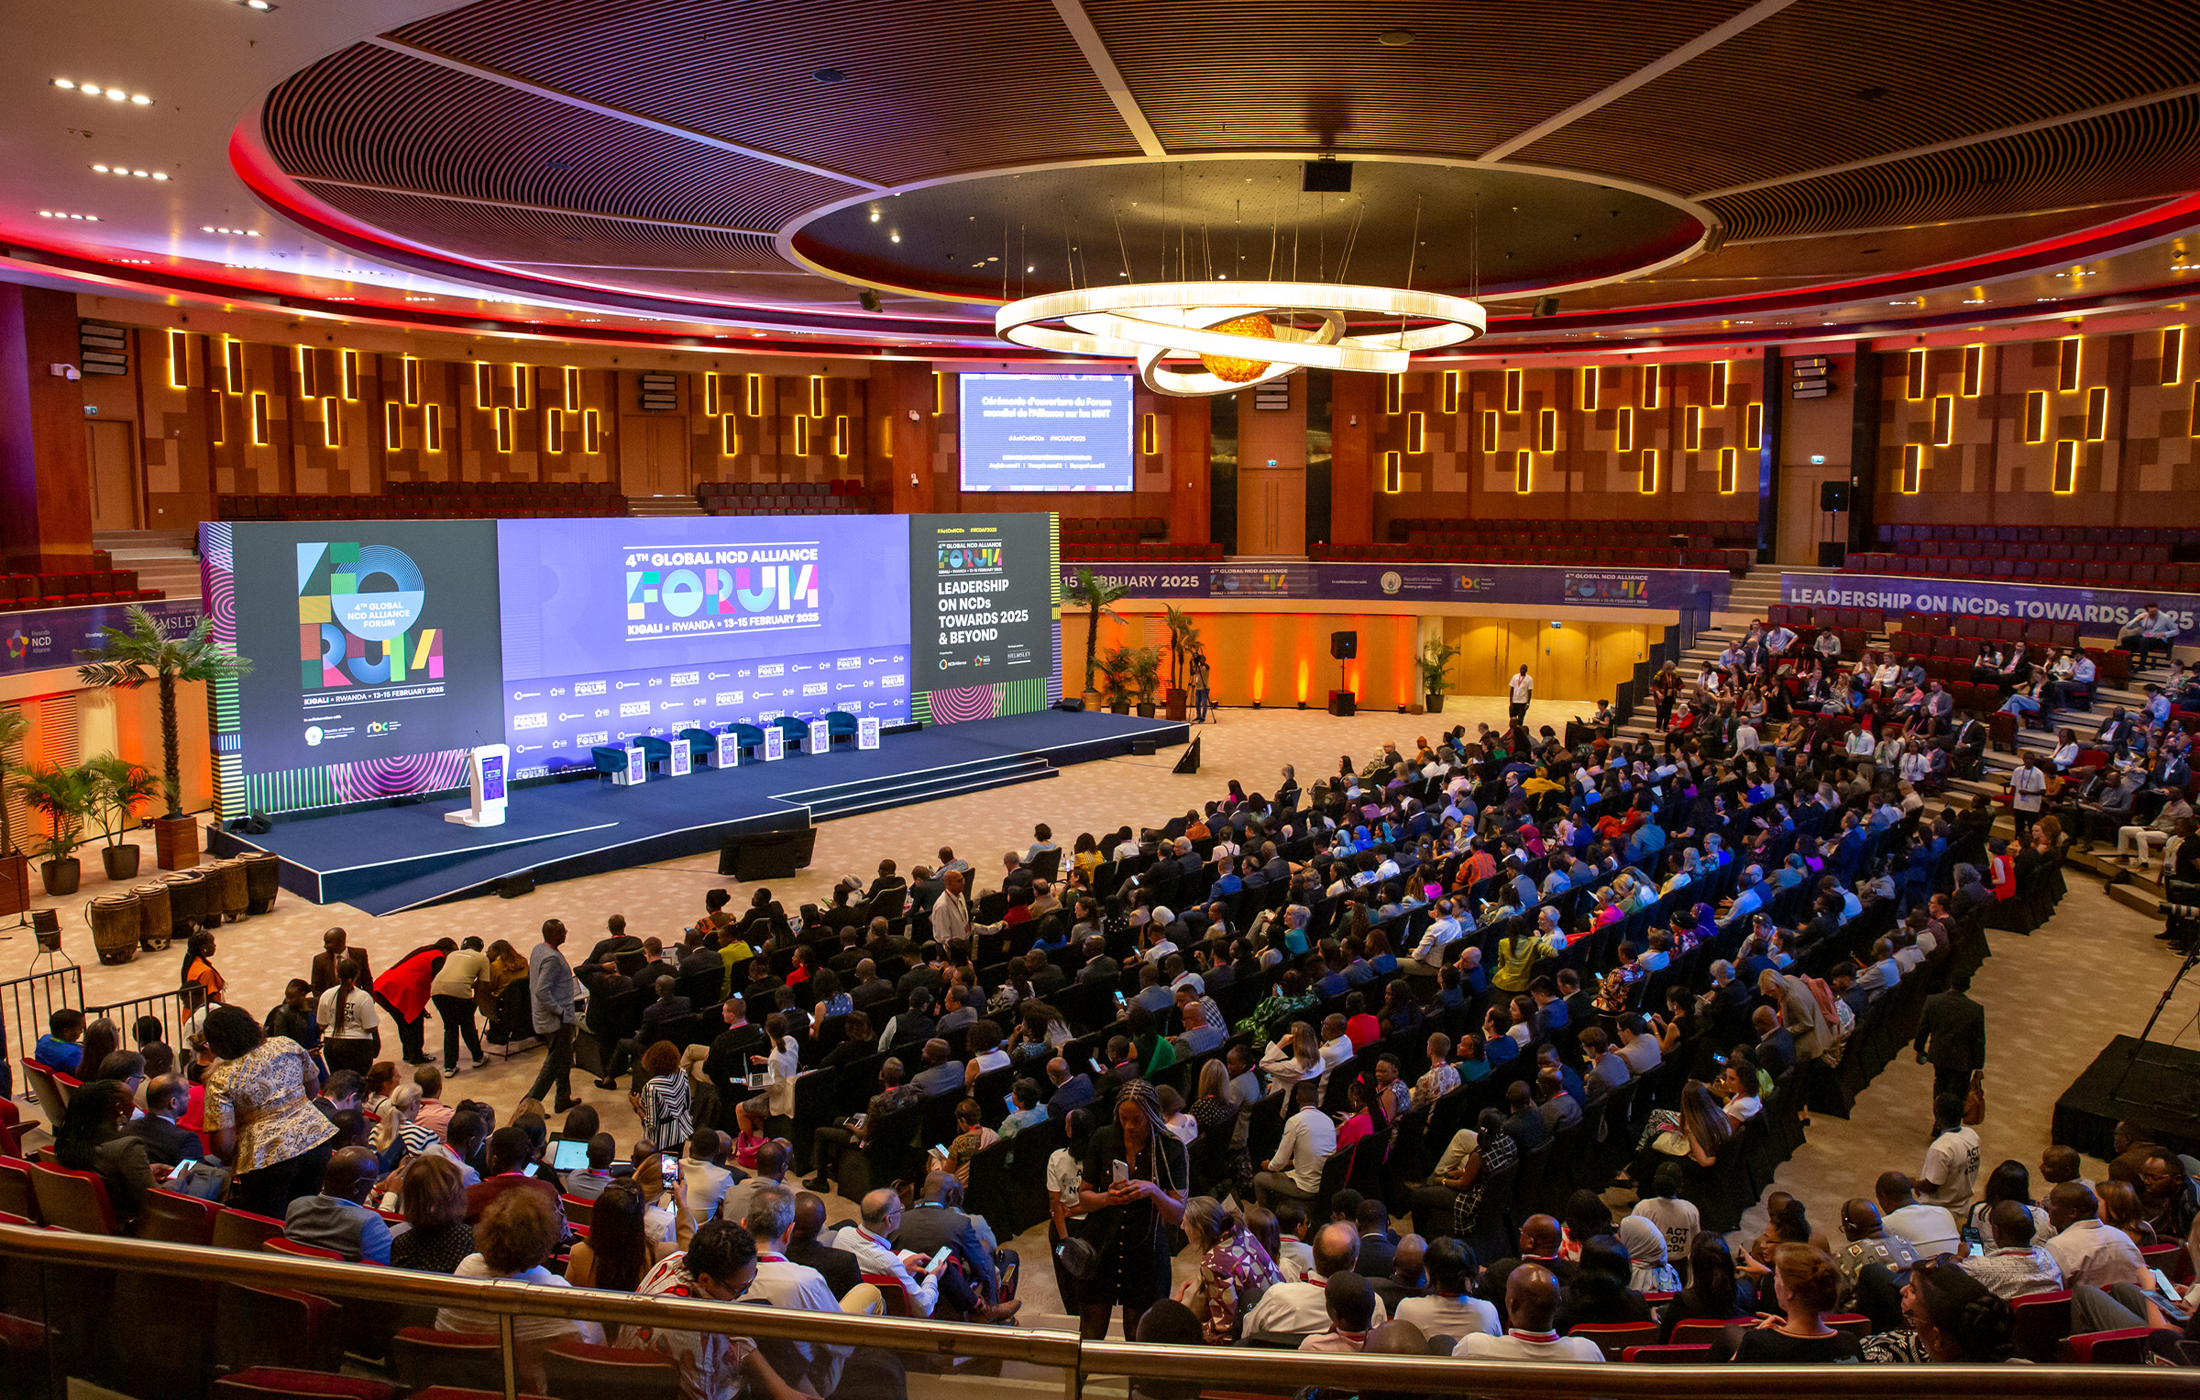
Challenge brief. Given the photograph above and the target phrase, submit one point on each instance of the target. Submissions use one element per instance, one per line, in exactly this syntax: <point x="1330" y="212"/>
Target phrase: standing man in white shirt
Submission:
<point x="1523" y="690"/>
<point x="1531" y="1301"/>
<point x="1295" y="1173"/>
<point x="1950" y="1173"/>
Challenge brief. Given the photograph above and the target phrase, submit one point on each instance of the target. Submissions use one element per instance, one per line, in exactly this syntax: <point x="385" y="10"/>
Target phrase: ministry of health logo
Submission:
<point x="358" y="610"/>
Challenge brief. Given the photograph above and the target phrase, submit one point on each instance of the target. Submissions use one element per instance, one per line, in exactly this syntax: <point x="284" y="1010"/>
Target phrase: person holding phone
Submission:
<point x="1136" y="1178"/>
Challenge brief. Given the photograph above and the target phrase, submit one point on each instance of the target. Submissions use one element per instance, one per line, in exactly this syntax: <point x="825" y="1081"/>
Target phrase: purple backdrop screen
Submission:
<point x="617" y="628"/>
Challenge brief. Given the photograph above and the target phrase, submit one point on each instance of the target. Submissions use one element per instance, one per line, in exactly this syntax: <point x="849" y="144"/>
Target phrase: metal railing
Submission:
<point x="29" y="1000"/>
<point x="173" y="1009"/>
<point x="1237" y="1368"/>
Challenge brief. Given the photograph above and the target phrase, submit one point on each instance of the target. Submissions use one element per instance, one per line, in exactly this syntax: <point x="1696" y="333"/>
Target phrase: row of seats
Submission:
<point x="1713" y="532"/>
<point x="790" y="505"/>
<point x="1601" y="554"/>
<point x="711" y="492"/>
<point x="1113" y="530"/>
<point x="421" y="507"/>
<point x="22" y="592"/>
<point x="1896" y="535"/>
<point x="2041" y="551"/>
<point x="2183" y="577"/>
<point x="1160" y="552"/>
<point x="503" y="488"/>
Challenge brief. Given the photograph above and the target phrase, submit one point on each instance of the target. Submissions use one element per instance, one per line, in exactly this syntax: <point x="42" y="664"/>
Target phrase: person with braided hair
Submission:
<point x="1136" y="1180"/>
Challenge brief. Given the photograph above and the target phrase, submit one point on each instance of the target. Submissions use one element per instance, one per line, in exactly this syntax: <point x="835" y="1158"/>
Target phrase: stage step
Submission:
<point x="980" y="775"/>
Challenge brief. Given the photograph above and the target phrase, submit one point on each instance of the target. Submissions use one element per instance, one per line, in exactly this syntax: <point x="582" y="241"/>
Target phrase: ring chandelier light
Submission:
<point x="1230" y="327"/>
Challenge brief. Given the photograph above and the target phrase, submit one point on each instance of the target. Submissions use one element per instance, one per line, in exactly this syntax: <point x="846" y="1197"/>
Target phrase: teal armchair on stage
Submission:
<point x="841" y="725"/>
<point x="797" y="732"/>
<point x="702" y="745"/>
<point x="747" y="739"/>
<point x="654" y="751"/>
<point x="610" y="762"/>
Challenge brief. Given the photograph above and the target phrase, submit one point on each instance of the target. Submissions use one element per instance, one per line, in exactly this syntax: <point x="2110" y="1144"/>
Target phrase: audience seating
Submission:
<point x="177" y="1219"/>
<point x="835" y="497"/>
<point x="609" y="1373"/>
<point x="72" y="1200"/>
<point x="2103" y="556"/>
<point x="437" y="500"/>
<point x="282" y="1383"/>
<point x="424" y="1356"/>
<point x="26" y="592"/>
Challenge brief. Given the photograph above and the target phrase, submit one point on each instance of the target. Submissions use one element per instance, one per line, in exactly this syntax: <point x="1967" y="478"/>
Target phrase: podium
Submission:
<point x="486" y="769"/>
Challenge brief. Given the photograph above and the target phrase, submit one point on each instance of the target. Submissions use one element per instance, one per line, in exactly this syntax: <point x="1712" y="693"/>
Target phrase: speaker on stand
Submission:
<point x="1833" y="499"/>
<point x="1343" y="646"/>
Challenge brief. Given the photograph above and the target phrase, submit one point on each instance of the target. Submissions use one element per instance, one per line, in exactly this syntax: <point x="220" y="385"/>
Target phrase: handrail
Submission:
<point x="1237" y="1366"/>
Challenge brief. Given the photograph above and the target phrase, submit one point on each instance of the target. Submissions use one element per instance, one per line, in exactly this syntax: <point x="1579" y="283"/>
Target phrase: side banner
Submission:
<point x="2097" y="611"/>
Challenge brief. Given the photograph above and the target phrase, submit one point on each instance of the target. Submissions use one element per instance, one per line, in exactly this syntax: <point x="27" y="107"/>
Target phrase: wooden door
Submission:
<point x="653" y="455"/>
<point x="1271" y="509"/>
<point x="107" y="447"/>
<point x="1802" y="523"/>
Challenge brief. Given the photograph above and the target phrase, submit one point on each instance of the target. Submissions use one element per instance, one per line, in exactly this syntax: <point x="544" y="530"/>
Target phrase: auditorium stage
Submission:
<point x="2161" y="1095"/>
<point x="403" y="856"/>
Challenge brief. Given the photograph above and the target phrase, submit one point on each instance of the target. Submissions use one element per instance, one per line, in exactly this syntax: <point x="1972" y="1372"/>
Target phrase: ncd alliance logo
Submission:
<point x="359" y="607"/>
<point x="721" y="592"/>
<point x="967" y="557"/>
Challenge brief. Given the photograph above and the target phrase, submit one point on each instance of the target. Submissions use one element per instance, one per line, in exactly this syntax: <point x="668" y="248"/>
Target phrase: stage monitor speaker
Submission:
<point x="1189" y="763"/>
<point x="1341" y="703"/>
<point x="770" y="855"/>
<point x="1833" y="495"/>
<point x="1142" y="748"/>
<point x="1070" y="704"/>
<point x="513" y="886"/>
<point x="1344" y="645"/>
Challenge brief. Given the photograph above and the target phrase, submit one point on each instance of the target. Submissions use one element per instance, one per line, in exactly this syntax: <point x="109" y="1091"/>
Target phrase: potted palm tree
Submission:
<point x="136" y="653"/>
<point x="1146" y="678"/>
<point x="1096" y="596"/>
<point x="1115" y="678"/>
<point x="15" y="868"/>
<point x="1436" y="659"/>
<point x="119" y="788"/>
<point x="1183" y="646"/>
<point x="63" y="796"/>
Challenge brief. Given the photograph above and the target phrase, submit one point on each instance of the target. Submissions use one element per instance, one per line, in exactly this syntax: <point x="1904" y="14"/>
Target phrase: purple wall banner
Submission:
<point x="50" y="638"/>
<point x="1511" y="584"/>
<point x="2095" y="610"/>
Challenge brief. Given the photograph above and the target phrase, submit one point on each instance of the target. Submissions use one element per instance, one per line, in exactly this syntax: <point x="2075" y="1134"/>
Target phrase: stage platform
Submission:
<point x="404" y="855"/>
<point x="2161" y="1095"/>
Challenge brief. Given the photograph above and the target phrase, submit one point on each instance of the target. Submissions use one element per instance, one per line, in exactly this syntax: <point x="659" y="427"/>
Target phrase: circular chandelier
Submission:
<point x="1232" y="329"/>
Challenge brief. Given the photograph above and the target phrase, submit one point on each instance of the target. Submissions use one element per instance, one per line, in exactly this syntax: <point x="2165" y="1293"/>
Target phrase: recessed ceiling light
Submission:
<point x="112" y="94"/>
<point x="874" y="216"/>
<point x="1395" y="38"/>
<point x="136" y="262"/>
<point x="261" y="5"/>
<point x="64" y="83"/>
<point x="62" y="214"/>
<point x="895" y="237"/>
<point x="830" y="75"/>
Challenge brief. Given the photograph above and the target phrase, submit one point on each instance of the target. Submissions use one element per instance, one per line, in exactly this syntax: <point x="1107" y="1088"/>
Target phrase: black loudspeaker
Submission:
<point x="772" y="855"/>
<point x="1070" y="704"/>
<point x="513" y="886"/>
<point x="1341" y="703"/>
<point x="1143" y="748"/>
<point x="260" y="824"/>
<point x="1344" y="645"/>
<point x="1833" y="495"/>
<point x="1189" y="763"/>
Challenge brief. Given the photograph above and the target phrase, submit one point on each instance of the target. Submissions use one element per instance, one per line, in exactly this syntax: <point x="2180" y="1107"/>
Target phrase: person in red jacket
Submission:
<point x="403" y="992"/>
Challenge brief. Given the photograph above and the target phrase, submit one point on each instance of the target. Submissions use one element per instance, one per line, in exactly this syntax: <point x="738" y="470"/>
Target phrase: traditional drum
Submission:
<point x="154" y="930"/>
<point x="116" y="923"/>
<point x="225" y="895"/>
<point x="186" y="901"/>
<point x="261" y="881"/>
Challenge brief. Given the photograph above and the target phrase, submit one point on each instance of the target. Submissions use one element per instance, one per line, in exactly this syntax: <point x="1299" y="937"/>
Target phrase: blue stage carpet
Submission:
<point x="389" y="858"/>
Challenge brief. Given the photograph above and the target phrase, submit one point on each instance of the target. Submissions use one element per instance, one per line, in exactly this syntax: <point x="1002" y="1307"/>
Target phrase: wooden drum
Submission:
<point x="154" y="930"/>
<point x="225" y="895"/>
<point x="187" y="891"/>
<point x="116" y="923"/>
<point x="261" y="881"/>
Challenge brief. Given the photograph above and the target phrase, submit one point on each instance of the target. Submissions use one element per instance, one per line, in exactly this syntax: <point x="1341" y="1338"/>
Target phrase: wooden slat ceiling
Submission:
<point x="929" y="88"/>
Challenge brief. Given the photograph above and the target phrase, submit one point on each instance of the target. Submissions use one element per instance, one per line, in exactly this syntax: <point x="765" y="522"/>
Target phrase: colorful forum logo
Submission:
<point x="715" y="592"/>
<point x="970" y="556"/>
<point x="357" y="609"/>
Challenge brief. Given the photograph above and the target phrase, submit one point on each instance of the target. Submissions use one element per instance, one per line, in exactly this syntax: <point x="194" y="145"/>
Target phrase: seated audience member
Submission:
<point x="1650" y="1271"/>
<point x="1532" y="1300"/>
<point x="1350" y="1302"/>
<point x="1806" y="1286"/>
<point x="1869" y="1243"/>
<point x="1951" y="1317"/>
<point x="1449" y="1307"/>
<point x="514" y="1239"/>
<point x="2086" y="1249"/>
<point x="1234" y="1268"/>
<point x="1599" y="1292"/>
<point x="439" y="1239"/>
<point x="1298" y="1308"/>
<point x="338" y="1218"/>
<point x="1715" y="1291"/>
<point x="511" y="1165"/>
<point x="806" y="1245"/>
<point x="719" y="1265"/>
<point x="2012" y="1264"/>
<point x="1928" y="1229"/>
<point x="58" y="1048"/>
<point x="91" y="1138"/>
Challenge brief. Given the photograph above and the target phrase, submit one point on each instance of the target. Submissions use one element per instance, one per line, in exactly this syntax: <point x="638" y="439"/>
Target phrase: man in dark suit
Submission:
<point x="1775" y="1043"/>
<point x="887" y="880"/>
<point x="1099" y="967"/>
<point x="654" y="964"/>
<point x="167" y="1099"/>
<point x="1377" y="1248"/>
<point x="870" y="988"/>
<point x="1951" y="1033"/>
<point x="842" y="1272"/>
<point x="1067" y="1091"/>
<point x="1539" y="1244"/>
<point x="616" y="940"/>
<point x="937" y="1221"/>
<point x="1581" y="1007"/>
<point x="928" y="887"/>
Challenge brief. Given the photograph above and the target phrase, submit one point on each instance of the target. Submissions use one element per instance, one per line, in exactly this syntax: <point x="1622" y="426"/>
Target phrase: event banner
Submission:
<point x="649" y="626"/>
<point x="50" y="638"/>
<point x="369" y="640"/>
<point x="2097" y="611"/>
<point x="981" y="611"/>
<point x="1523" y="585"/>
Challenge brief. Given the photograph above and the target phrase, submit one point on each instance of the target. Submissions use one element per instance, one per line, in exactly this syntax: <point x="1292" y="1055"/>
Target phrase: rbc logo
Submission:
<point x="721" y="592"/>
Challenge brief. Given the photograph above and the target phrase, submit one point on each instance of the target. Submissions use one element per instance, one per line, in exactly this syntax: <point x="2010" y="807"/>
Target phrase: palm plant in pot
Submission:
<point x="1183" y="646"/>
<point x="139" y="652"/>
<point x="1096" y="596"/>
<point x="1146" y="678"/>
<point x="1436" y="659"/>
<point x="119" y="789"/>
<point x="63" y="796"/>
<point x="1115" y="678"/>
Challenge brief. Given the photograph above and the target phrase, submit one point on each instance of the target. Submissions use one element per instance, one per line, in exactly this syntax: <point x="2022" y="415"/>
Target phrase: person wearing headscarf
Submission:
<point x="1645" y="1245"/>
